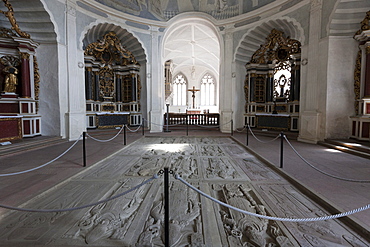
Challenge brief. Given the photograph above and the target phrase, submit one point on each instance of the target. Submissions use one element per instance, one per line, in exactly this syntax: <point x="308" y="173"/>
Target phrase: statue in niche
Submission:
<point x="11" y="72"/>
<point x="11" y="80"/>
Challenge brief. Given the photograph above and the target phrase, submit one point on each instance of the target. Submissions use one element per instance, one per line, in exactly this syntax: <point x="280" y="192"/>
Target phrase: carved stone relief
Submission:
<point x="220" y="169"/>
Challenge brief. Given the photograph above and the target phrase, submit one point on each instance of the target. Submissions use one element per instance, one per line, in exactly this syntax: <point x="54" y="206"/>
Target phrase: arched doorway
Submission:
<point x="191" y="48"/>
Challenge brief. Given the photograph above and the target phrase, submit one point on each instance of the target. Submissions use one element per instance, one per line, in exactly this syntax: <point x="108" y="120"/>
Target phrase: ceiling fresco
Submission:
<point x="166" y="9"/>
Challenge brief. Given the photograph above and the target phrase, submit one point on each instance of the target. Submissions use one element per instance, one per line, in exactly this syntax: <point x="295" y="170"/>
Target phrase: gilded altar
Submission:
<point x="112" y="84"/>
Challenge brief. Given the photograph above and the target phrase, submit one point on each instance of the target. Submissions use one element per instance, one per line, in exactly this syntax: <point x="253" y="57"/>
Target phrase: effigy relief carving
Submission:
<point x="242" y="229"/>
<point x="185" y="220"/>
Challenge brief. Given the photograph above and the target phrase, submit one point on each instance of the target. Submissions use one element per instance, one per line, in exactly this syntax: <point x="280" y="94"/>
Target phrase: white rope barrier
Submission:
<point x="259" y="139"/>
<point x="41" y="166"/>
<point x="108" y="140"/>
<point x="80" y="207"/>
<point x="271" y="217"/>
<point x="137" y="129"/>
<point x="240" y="130"/>
<point x="321" y="171"/>
<point x="204" y="126"/>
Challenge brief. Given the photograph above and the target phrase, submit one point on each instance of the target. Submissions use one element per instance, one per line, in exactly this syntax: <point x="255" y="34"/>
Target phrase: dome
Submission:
<point x="166" y="9"/>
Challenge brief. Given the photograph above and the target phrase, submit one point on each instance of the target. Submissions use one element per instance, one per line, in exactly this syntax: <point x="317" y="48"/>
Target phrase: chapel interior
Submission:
<point x="300" y="66"/>
<point x="72" y="66"/>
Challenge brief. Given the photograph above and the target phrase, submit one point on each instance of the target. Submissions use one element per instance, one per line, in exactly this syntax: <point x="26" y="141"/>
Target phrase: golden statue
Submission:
<point x="11" y="80"/>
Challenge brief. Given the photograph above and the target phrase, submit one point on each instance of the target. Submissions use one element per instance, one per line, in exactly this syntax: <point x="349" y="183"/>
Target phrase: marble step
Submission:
<point x="27" y="144"/>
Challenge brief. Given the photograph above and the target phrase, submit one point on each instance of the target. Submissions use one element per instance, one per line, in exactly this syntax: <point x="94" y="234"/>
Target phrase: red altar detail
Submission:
<point x="193" y="111"/>
<point x="9" y="108"/>
<point x="11" y="128"/>
<point x="25" y="67"/>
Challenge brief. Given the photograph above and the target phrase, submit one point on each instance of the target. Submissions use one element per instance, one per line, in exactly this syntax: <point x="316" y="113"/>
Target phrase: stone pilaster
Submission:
<point x="309" y="130"/>
<point x="76" y="113"/>
<point x="227" y="84"/>
<point x="155" y="84"/>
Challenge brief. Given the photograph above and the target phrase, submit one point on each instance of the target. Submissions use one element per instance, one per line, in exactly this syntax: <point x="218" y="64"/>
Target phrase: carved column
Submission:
<point x="252" y="82"/>
<point x="25" y="71"/>
<point x="270" y="87"/>
<point x="118" y="88"/>
<point x="88" y="84"/>
<point x="295" y="80"/>
<point x="133" y="87"/>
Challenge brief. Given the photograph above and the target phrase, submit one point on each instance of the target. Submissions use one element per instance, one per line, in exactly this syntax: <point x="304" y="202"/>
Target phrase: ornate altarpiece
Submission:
<point x="361" y="121"/>
<point x="19" y="81"/>
<point x="112" y="84"/>
<point x="272" y="84"/>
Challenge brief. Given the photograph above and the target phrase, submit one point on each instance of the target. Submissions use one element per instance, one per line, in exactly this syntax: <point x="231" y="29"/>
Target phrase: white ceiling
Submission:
<point x="192" y="44"/>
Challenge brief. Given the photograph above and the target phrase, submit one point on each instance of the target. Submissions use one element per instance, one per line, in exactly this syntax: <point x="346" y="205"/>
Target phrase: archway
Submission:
<point x="192" y="47"/>
<point x="114" y="61"/>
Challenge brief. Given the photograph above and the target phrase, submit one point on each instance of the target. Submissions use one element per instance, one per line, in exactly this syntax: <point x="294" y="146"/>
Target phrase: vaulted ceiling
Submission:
<point x="193" y="44"/>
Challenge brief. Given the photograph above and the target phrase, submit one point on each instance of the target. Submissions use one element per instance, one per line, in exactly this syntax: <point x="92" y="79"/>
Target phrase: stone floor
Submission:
<point x="218" y="166"/>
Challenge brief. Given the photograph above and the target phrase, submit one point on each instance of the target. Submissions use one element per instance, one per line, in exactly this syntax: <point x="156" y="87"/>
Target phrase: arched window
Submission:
<point x="207" y="90"/>
<point x="179" y="85"/>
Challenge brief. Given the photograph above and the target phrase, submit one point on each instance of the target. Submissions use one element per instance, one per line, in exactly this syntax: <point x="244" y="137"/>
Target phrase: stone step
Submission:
<point x="348" y="146"/>
<point x="27" y="144"/>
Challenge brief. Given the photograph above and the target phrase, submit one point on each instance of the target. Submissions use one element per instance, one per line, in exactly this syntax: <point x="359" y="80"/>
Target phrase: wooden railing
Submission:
<point x="209" y="119"/>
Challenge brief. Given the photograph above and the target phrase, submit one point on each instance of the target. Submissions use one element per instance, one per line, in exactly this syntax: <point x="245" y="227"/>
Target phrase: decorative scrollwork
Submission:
<point x="277" y="47"/>
<point x="357" y="80"/>
<point x="364" y="24"/>
<point x="109" y="50"/>
<point x="36" y="78"/>
<point x="10" y="15"/>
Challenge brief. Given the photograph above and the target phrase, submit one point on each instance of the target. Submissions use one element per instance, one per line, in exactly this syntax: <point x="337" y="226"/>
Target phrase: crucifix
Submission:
<point x="193" y="90"/>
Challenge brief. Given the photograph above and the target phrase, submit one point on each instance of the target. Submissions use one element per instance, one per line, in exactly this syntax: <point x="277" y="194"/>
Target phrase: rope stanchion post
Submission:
<point x="232" y="127"/>
<point x="167" y="118"/>
<point x="281" y="149"/>
<point x="142" y="125"/>
<point x="124" y="135"/>
<point x="166" y="208"/>
<point x="84" y="149"/>
<point x="247" y="137"/>
<point x="187" y="125"/>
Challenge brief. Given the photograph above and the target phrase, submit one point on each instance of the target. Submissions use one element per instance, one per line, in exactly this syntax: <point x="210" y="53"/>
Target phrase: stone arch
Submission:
<point x="255" y="37"/>
<point x="95" y="31"/>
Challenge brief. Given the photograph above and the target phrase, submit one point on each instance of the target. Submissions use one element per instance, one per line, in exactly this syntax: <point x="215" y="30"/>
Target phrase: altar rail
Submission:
<point x="209" y="119"/>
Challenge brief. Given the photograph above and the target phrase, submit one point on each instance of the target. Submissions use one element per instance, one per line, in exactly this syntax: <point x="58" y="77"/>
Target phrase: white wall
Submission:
<point x="340" y="96"/>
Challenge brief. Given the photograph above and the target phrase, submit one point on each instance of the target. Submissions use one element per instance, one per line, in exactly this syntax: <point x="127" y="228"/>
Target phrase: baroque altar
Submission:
<point x="19" y="82"/>
<point x="112" y="84"/>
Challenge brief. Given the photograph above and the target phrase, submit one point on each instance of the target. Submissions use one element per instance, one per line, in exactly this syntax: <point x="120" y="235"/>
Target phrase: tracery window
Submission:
<point x="207" y="90"/>
<point x="179" y="90"/>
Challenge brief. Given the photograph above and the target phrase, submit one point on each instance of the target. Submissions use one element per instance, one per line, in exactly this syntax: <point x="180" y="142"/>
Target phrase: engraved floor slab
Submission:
<point x="218" y="166"/>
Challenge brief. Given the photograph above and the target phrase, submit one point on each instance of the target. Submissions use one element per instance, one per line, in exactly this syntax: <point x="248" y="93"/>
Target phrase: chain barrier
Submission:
<point x="108" y="140"/>
<point x="329" y="217"/>
<point x="47" y="163"/>
<point x="259" y="139"/>
<point x="321" y="171"/>
<point x="80" y="207"/>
